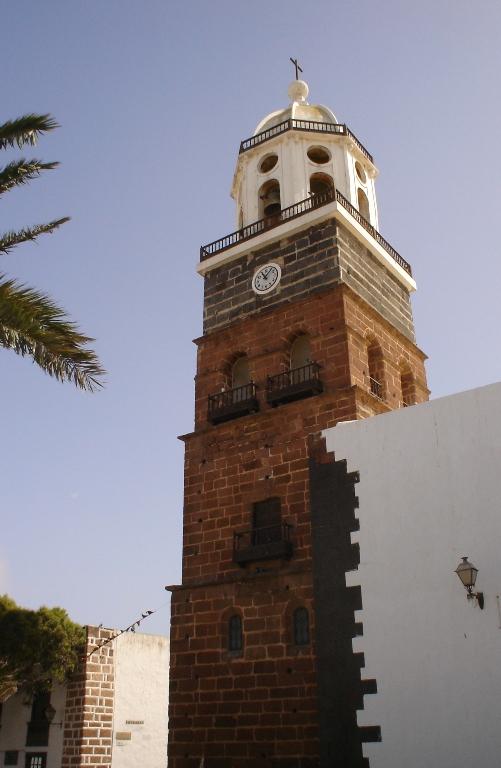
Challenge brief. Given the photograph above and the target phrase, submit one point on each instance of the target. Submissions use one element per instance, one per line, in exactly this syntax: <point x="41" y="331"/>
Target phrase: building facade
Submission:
<point x="307" y="322"/>
<point x="429" y="496"/>
<point x="112" y="713"/>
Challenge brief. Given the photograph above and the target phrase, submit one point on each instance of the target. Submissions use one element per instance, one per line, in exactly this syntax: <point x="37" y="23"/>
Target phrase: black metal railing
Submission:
<point x="273" y="541"/>
<point x="231" y="403"/>
<point x="303" y="125"/>
<point x="293" y="377"/>
<point x="263" y="225"/>
<point x="376" y="387"/>
<point x="292" y="212"/>
<point x="372" y="231"/>
<point x="294" y="384"/>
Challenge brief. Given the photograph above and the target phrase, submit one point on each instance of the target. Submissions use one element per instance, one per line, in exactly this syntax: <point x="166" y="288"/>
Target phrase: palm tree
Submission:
<point x="31" y="323"/>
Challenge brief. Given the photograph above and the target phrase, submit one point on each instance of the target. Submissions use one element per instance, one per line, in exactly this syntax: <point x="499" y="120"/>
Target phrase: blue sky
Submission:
<point x="153" y="98"/>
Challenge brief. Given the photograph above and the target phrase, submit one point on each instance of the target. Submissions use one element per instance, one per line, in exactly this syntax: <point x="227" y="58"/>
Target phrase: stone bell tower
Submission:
<point x="307" y="322"/>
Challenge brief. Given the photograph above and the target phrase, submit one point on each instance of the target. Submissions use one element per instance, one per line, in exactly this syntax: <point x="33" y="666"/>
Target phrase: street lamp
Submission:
<point x="468" y="576"/>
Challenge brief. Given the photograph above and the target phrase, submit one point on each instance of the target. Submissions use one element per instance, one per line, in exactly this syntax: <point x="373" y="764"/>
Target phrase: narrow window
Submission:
<point x="408" y="388"/>
<point x="266" y="521"/>
<point x="300" y="352"/>
<point x="37" y="734"/>
<point x="301" y="622"/>
<point x="235" y="639"/>
<point x="240" y="379"/>
<point x="375" y="362"/>
<point x="363" y="204"/>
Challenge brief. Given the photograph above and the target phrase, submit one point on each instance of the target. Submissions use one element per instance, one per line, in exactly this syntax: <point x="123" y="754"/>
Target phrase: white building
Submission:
<point x="429" y="495"/>
<point x="114" y="712"/>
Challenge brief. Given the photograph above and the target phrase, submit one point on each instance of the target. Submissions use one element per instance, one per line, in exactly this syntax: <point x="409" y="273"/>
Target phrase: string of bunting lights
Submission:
<point x="130" y="628"/>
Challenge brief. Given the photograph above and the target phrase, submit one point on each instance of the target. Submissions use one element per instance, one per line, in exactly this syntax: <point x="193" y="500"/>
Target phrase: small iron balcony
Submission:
<point x="270" y="543"/>
<point x="294" y="384"/>
<point x="232" y="403"/>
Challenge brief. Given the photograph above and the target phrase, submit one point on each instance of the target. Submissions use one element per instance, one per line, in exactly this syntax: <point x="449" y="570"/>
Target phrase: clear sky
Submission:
<point x="153" y="98"/>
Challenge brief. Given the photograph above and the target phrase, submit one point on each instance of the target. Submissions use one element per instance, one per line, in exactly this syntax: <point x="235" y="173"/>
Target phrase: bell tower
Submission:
<point x="307" y="322"/>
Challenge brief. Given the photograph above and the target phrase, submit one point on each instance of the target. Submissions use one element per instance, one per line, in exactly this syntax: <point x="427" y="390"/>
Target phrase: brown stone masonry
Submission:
<point x="261" y="705"/>
<point x="88" y="718"/>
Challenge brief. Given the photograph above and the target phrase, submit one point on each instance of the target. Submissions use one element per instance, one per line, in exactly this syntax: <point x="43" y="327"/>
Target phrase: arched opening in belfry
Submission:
<point x="321" y="183"/>
<point x="407" y="386"/>
<point x="269" y="200"/>
<point x="376" y="369"/>
<point x="363" y="204"/>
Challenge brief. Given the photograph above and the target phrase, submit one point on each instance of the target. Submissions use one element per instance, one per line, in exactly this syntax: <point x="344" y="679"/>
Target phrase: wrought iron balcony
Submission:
<point x="294" y="384"/>
<point x="270" y="543"/>
<point x="303" y="125"/>
<point x="292" y="212"/>
<point x="232" y="403"/>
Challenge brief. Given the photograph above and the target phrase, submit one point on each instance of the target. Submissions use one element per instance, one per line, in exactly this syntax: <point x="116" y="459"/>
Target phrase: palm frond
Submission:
<point x="25" y="130"/>
<point x="32" y="325"/>
<point x="21" y="172"/>
<point x="9" y="239"/>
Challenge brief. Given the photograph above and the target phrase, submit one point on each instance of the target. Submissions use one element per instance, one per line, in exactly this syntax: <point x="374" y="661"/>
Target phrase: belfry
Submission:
<point x="307" y="322"/>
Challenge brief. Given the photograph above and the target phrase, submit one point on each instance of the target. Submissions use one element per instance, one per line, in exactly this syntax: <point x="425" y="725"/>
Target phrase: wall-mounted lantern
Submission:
<point x="468" y="575"/>
<point x="50" y="714"/>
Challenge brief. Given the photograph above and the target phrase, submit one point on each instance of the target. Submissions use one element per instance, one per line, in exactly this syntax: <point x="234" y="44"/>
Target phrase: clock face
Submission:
<point x="266" y="278"/>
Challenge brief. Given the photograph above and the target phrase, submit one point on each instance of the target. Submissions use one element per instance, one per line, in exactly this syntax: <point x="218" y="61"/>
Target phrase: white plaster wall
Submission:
<point x="141" y="694"/>
<point x="429" y="493"/>
<point x="14" y="722"/>
<point x="294" y="169"/>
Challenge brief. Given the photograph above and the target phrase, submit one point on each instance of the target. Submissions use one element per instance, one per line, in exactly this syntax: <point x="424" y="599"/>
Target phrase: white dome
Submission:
<point x="298" y="109"/>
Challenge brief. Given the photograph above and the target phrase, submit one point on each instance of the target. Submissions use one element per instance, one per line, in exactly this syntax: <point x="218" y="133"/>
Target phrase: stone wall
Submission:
<point x="88" y="720"/>
<point x="318" y="257"/>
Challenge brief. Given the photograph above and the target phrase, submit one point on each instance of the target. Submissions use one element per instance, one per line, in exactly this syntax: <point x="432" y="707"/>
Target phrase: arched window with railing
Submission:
<point x="235" y="634"/>
<point x="376" y="369"/>
<point x="240" y="375"/>
<point x="301" y="626"/>
<point x="300" y="353"/>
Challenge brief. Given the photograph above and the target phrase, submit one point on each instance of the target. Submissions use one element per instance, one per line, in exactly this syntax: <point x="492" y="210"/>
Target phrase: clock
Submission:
<point x="266" y="278"/>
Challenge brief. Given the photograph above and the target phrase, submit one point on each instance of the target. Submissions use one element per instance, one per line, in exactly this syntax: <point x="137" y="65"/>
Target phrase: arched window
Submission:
<point x="363" y="204"/>
<point x="240" y="378"/>
<point x="301" y="626"/>
<point x="407" y="386"/>
<point x="235" y="638"/>
<point x="320" y="183"/>
<point x="300" y="352"/>
<point x="240" y="372"/>
<point x="376" y="369"/>
<point x="269" y="200"/>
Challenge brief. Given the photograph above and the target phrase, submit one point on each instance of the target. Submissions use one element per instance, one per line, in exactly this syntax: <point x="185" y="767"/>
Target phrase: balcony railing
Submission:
<point x="232" y="403"/>
<point x="376" y="388"/>
<point x="263" y="225"/>
<point x="303" y="125"/>
<point x="294" y="384"/>
<point x="269" y="543"/>
<point x="372" y="231"/>
<point x="292" y="212"/>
